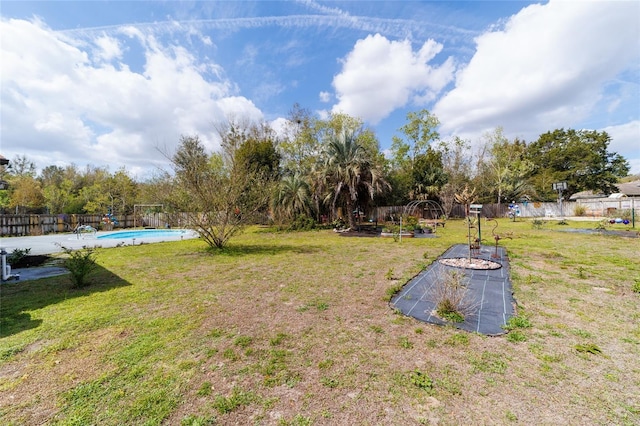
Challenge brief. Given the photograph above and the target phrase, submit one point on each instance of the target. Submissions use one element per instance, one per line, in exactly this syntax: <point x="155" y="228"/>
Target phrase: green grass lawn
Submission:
<point x="295" y="329"/>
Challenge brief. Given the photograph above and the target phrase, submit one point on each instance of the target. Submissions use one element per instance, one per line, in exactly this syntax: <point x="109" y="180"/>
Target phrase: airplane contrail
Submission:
<point x="401" y="28"/>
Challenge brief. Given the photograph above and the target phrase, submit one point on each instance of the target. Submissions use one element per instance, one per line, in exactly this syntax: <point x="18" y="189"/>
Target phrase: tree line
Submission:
<point x="317" y="166"/>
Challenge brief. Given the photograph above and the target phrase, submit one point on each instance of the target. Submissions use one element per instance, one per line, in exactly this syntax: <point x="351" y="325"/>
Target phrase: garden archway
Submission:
<point x="434" y="207"/>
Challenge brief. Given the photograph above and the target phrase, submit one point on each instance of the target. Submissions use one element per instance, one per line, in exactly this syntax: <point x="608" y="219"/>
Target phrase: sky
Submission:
<point x="117" y="83"/>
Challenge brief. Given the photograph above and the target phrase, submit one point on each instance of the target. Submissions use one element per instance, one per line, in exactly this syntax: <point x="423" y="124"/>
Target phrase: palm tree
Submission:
<point x="291" y="198"/>
<point x="349" y="169"/>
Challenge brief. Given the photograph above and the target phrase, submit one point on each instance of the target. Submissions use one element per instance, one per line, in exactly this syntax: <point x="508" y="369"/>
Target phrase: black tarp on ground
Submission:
<point x="489" y="289"/>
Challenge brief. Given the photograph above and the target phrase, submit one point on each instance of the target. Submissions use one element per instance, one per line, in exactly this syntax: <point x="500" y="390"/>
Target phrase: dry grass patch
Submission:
<point x="296" y="329"/>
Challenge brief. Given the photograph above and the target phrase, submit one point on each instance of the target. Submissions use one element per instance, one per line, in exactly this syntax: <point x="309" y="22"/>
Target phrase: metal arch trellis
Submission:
<point x="410" y="208"/>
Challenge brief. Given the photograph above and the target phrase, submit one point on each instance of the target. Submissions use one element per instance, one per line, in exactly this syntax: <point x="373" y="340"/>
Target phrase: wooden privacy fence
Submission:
<point x="41" y="224"/>
<point x="428" y="212"/>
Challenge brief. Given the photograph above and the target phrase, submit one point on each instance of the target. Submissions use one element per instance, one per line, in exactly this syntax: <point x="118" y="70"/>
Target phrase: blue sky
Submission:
<point x="113" y="83"/>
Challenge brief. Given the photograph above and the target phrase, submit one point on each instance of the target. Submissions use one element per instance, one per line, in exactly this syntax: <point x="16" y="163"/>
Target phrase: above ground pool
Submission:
<point x="146" y="233"/>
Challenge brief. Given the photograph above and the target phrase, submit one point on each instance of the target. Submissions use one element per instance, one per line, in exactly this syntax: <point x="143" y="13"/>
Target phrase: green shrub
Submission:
<point x="17" y="255"/>
<point x="391" y="228"/>
<point x="80" y="263"/>
<point x="405" y="343"/>
<point x="518" y="321"/>
<point x="579" y="210"/>
<point x="636" y="286"/>
<point x="302" y="223"/>
<point x="445" y="307"/>
<point x="409" y="222"/>
<point x="513" y="325"/>
<point x="420" y="380"/>
<point x="451" y="296"/>
<point x="389" y="274"/>
<point x="338" y="224"/>
<point x="537" y="223"/>
<point x="452" y="316"/>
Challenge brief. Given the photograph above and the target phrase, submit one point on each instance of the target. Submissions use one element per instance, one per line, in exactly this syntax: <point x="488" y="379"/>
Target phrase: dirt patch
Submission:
<point x="298" y="325"/>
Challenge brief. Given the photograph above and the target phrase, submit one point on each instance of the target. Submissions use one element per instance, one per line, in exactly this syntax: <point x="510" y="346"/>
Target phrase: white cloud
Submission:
<point x="625" y="140"/>
<point x="53" y="96"/>
<point x="281" y="126"/>
<point x="108" y="48"/>
<point x="546" y="69"/>
<point x="206" y="40"/>
<point x="325" y="97"/>
<point x="240" y="107"/>
<point x="323" y="114"/>
<point x="113" y="93"/>
<point x="634" y="166"/>
<point x="379" y="76"/>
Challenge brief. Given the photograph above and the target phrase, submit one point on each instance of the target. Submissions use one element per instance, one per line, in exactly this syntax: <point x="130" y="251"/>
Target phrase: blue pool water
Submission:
<point x="146" y="233"/>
